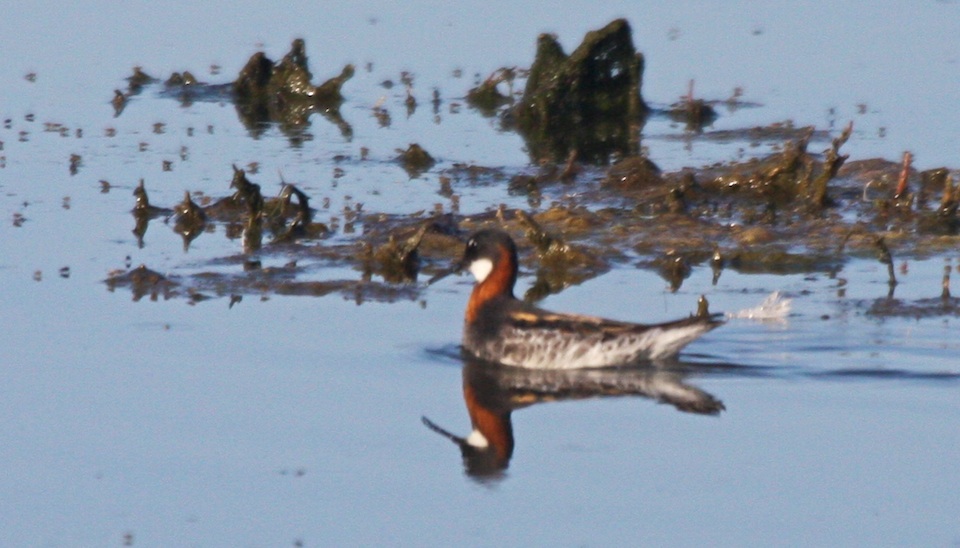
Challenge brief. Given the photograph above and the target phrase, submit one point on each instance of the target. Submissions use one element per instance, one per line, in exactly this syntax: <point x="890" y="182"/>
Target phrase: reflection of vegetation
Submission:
<point x="584" y="107"/>
<point x="282" y="92"/>
<point x="142" y="282"/>
<point x="493" y="392"/>
<point x="487" y="97"/>
<point x="397" y="261"/>
<point x="286" y="221"/>
<point x="944" y="305"/>
<point x="415" y="160"/>
<point x="694" y="113"/>
<point x="783" y="213"/>
<point x="189" y="220"/>
<point x="759" y="216"/>
<point x="560" y="264"/>
<point x="791" y="176"/>
<point x="265" y="92"/>
<point x="144" y="211"/>
<point x="588" y="102"/>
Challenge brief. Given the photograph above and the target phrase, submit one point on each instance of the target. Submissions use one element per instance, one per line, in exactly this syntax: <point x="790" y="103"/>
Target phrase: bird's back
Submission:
<point x="521" y="335"/>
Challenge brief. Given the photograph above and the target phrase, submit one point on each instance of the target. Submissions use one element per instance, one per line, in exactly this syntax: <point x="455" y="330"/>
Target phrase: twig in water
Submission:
<point x="904" y="174"/>
<point x="945" y="294"/>
<point x="887" y="259"/>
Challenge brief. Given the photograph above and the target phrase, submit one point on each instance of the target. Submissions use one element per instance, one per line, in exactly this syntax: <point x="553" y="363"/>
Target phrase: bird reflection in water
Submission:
<point x="492" y="392"/>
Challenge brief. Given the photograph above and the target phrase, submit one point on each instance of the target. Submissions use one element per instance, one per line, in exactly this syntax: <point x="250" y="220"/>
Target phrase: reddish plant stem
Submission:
<point x="904" y="173"/>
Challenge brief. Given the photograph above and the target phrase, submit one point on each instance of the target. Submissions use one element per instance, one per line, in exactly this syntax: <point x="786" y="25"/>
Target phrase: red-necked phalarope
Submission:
<point x="500" y="328"/>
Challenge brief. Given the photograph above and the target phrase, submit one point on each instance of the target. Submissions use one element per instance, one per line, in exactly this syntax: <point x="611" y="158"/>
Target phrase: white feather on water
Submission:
<point x="774" y="308"/>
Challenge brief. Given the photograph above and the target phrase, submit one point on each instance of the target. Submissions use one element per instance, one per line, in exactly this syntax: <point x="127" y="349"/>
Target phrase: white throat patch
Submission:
<point x="481" y="268"/>
<point x="478" y="440"/>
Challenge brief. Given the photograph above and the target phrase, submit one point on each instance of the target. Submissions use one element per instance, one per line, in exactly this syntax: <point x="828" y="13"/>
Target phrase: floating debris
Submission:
<point x="190" y="220"/>
<point x="282" y="92"/>
<point x="633" y="172"/>
<point x="142" y="204"/>
<point x="143" y="282"/>
<point x="695" y="113"/>
<point x="398" y="261"/>
<point x="415" y="160"/>
<point x="595" y="197"/>
<point x="179" y="80"/>
<point x="487" y="97"/>
<point x="247" y="193"/>
<point x="75" y="162"/>
<point x="588" y="101"/>
<point x="139" y="79"/>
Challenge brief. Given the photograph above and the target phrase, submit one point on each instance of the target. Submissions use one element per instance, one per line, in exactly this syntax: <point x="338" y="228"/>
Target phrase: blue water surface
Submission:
<point x="283" y="420"/>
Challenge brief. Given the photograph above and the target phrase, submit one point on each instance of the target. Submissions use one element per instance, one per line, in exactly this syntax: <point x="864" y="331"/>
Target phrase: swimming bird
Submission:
<point x="500" y="328"/>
